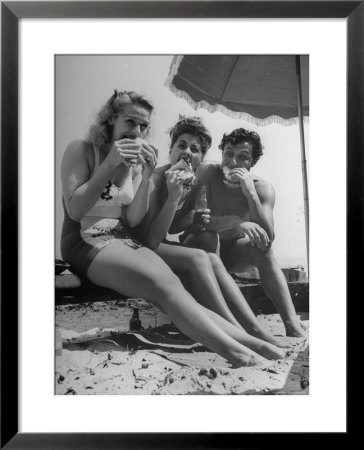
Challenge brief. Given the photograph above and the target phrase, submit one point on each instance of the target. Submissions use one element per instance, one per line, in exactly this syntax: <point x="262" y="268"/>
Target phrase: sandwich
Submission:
<point x="185" y="171"/>
<point x="229" y="178"/>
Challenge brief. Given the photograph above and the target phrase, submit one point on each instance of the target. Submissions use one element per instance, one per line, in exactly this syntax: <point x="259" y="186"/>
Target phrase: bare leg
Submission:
<point x="238" y="304"/>
<point x="232" y="295"/>
<point x="131" y="273"/>
<point x="204" y="286"/>
<point x="275" y="285"/>
<point x="206" y="240"/>
<point x="273" y="281"/>
<point x="259" y="346"/>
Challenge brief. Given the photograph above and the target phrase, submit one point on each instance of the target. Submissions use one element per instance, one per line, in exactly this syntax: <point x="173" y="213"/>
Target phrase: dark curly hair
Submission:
<point x="242" y="135"/>
<point x="194" y="126"/>
<point x="100" y="131"/>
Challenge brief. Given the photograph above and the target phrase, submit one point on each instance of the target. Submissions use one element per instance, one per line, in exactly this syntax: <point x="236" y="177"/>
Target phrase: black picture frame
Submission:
<point x="11" y="13"/>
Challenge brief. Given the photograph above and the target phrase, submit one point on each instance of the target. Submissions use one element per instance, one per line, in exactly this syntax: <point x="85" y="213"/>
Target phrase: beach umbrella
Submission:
<point x="262" y="89"/>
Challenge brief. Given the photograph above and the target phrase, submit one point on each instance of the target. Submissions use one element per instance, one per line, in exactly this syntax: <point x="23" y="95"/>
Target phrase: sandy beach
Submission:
<point x="99" y="356"/>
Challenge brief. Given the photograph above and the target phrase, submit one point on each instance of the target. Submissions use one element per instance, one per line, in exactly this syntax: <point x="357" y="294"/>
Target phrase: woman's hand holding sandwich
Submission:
<point x="174" y="185"/>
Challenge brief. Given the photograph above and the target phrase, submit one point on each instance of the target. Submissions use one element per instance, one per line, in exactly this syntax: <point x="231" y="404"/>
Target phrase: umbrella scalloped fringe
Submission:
<point x="221" y="108"/>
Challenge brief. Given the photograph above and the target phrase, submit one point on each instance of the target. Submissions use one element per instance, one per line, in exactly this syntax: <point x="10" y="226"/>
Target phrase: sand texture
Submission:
<point x="99" y="357"/>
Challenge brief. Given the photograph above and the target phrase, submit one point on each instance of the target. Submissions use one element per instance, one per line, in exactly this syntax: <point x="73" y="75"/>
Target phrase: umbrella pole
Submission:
<point x="303" y="154"/>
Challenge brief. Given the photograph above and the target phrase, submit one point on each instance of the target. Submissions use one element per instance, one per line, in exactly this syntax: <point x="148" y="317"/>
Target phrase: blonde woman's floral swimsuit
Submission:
<point x="102" y="225"/>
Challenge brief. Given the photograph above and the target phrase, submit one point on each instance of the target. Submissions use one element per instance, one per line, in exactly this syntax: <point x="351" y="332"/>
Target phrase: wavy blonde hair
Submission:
<point x="100" y="132"/>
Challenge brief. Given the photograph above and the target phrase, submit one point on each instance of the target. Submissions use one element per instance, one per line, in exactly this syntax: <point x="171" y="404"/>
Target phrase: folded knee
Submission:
<point x="199" y="259"/>
<point x="266" y="256"/>
<point x="215" y="261"/>
<point x="207" y="240"/>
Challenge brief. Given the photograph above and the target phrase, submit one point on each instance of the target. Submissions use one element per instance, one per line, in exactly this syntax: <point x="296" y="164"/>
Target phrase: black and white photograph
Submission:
<point x="181" y="224"/>
<point x="181" y="201"/>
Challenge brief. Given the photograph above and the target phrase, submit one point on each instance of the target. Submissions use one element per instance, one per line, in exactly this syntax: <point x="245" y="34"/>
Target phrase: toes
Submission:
<point x="283" y="344"/>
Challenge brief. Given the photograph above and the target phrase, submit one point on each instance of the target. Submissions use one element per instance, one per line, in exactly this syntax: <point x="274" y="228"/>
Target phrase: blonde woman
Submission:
<point x="106" y="181"/>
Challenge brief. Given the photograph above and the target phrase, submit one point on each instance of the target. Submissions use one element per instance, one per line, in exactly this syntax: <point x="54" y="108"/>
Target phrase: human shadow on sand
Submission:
<point x="291" y="374"/>
<point x="166" y="337"/>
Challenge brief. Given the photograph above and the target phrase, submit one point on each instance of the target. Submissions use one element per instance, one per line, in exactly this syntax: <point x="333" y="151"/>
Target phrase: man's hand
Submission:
<point x="257" y="236"/>
<point x="245" y="180"/>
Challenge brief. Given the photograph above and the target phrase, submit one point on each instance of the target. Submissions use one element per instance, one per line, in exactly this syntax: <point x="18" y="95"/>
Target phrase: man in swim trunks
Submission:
<point x="106" y="181"/>
<point x="241" y="224"/>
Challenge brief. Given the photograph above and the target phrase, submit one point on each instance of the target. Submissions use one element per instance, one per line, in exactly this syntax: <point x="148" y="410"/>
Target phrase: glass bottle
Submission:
<point x="135" y="323"/>
<point x="200" y="207"/>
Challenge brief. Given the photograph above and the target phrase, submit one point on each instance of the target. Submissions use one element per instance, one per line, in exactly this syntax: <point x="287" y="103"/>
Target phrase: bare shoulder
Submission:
<point x="207" y="171"/>
<point x="78" y="147"/>
<point x="210" y="167"/>
<point x="264" y="188"/>
<point x="158" y="176"/>
<point x="79" y="151"/>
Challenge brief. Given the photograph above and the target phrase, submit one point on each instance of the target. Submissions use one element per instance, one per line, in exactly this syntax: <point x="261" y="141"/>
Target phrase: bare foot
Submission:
<point x="242" y="360"/>
<point x="263" y="348"/>
<point x="261" y="334"/>
<point x="295" y="329"/>
<point x="270" y="351"/>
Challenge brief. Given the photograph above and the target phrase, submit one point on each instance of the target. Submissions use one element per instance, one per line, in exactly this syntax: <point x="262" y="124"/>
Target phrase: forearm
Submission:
<point x="258" y="215"/>
<point x="85" y="196"/>
<point x="181" y="223"/>
<point x="138" y="208"/>
<point x="160" y="226"/>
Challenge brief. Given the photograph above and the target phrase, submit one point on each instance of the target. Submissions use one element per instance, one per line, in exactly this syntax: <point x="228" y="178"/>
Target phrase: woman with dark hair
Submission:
<point x="105" y="182"/>
<point x="203" y="274"/>
<point x="242" y="220"/>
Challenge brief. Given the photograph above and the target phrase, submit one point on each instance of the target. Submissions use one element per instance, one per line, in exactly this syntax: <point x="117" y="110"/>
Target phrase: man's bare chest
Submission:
<point x="224" y="202"/>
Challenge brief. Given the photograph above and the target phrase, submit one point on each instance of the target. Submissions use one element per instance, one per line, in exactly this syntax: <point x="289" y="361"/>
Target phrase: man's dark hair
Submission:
<point x="242" y="135"/>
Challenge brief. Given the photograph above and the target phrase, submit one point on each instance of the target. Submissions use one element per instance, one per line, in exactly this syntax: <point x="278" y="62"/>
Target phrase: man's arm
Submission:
<point x="207" y="177"/>
<point x="261" y="199"/>
<point x="184" y="218"/>
<point x="261" y="204"/>
<point x="228" y="226"/>
<point x="259" y="226"/>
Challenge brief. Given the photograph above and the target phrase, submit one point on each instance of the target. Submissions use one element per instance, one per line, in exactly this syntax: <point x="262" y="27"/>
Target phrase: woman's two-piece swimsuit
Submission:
<point x="103" y="224"/>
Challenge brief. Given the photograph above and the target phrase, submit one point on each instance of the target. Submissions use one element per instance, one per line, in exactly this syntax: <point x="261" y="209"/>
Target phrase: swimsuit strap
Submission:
<point x="96" y="158"/>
